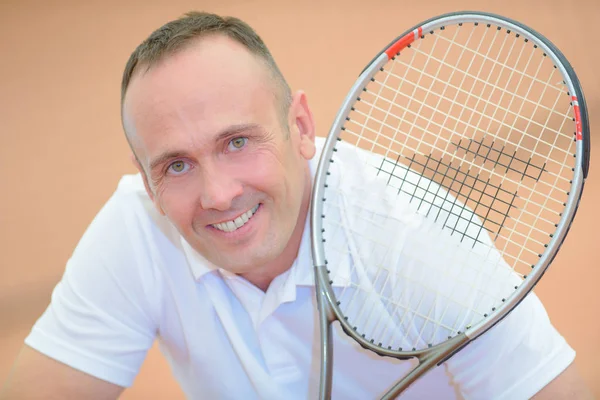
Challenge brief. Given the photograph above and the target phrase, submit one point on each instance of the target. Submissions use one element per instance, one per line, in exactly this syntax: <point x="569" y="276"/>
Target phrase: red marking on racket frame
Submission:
<point x="578" y="133"/>
<point x="403" y="42"/>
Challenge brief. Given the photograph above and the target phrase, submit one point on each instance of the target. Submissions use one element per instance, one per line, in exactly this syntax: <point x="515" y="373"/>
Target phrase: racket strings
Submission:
<point x="503" y="92"/>
<point x="528" y="163"/>
<point x="457" y="119"/>
<point x="488" y="194"/>
<point x="400" y="313"/>
<point x="453" y="101"/>
<point x="361" y="235"/>
<point x="445" y="88"/>
<point x="545" y="205"/>
<point x="467" y="124"/>
<point x="496" y="62"/>
<point x="496" y="181"/>
<point x="456" y="216"/>
<point x="474" y="166"/>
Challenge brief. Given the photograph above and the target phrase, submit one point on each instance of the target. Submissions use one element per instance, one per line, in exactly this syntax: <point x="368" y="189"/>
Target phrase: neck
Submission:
<point x="263" y="277"/>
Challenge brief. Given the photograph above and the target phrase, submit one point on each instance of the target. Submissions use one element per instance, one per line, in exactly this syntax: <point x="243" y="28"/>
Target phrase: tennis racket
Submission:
<point x="446" y="186"/>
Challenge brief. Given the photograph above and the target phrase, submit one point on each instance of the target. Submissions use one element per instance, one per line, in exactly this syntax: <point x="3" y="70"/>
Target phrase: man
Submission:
<point x="207" y="250"/>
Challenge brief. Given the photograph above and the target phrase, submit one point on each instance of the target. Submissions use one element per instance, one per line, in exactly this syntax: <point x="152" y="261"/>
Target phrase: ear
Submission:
<point x="139" y="167"/>
<point x="302" y="124"/>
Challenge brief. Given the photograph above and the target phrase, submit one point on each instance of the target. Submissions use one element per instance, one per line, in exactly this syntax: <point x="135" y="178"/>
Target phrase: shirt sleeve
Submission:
<point x="102" y="315"/>
<point x="513" y="360"/>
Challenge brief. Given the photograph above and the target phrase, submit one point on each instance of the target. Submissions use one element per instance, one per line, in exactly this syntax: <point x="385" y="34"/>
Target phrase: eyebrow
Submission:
<point x="222" y="135"/>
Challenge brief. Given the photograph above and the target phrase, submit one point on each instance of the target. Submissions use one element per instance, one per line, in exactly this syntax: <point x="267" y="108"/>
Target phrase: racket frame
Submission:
<point x="329" y="311"/>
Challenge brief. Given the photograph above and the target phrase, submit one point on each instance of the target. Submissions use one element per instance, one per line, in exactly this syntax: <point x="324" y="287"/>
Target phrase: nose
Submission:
<point x="219" y="189"/>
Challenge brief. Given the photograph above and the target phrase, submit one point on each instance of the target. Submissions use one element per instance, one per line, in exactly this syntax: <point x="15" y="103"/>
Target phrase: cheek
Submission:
<point x="284" y="183"/>
<point x="269" y="175"/>
<point x="179" y="204"/>
<point x="257" y="169"/>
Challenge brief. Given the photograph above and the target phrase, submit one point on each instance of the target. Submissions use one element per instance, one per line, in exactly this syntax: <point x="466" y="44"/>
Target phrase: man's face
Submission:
<point x="206" y="129"/>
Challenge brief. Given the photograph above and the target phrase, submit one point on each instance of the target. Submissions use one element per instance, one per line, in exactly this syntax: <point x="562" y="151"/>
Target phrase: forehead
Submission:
<point x="213" y="81"/>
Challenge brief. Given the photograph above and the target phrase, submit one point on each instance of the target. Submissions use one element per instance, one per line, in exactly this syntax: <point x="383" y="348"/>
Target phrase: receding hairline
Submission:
<point x="279" y="88"/>
<point x="274" y="75"/>
<point x="181" y="33"/>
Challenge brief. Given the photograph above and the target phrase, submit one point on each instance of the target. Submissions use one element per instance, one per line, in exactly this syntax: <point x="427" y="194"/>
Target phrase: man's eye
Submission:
<point x="237" y="143"/>
<point x="178" y="167"/>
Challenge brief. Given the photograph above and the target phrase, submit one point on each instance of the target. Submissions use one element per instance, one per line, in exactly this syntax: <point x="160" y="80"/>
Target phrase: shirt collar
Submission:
<point x="199" y="265"/>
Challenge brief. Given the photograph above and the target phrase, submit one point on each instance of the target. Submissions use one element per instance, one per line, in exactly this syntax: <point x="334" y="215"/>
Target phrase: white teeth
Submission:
<point x="237" y="223"/>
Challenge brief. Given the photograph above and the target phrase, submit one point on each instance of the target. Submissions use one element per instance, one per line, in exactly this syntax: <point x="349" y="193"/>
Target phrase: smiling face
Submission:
<point x="208" y="133"/>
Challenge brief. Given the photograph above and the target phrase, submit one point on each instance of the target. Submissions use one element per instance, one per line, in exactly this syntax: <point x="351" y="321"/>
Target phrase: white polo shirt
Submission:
<point x="133" y="279"/>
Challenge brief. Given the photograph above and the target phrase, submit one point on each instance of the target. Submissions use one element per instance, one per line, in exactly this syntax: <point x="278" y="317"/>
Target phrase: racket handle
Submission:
<point x="326" y="340"/>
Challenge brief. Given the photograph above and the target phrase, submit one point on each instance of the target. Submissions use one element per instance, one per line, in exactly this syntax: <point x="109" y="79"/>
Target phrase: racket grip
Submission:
<point x="325" y="380"/>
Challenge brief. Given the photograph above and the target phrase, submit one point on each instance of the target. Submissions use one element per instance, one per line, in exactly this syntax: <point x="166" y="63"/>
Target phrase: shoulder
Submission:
<point x="126" y="247"/>
<point x="516" y="358"/>
<point x="113" y="287"/>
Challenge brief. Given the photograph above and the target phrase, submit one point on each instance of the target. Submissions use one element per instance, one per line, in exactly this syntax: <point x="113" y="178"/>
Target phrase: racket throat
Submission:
<point x="428" y="361"/>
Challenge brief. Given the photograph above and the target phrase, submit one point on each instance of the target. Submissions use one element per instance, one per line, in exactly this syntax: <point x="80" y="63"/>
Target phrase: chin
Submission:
<point x="250" y="262"/>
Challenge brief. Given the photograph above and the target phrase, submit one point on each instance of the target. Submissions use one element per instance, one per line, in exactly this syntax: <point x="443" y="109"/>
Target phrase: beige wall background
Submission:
<point x="62" y="150"/>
